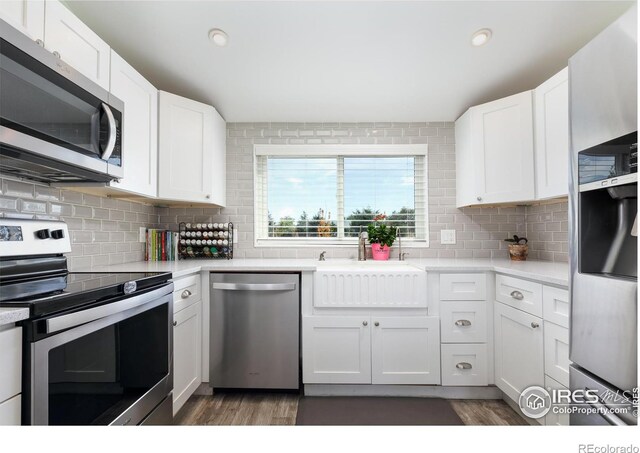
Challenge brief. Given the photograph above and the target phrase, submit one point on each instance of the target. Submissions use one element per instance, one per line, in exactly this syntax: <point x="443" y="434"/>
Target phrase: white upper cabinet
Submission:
<point x="494" y="152"/>
<point x="192" y="142"/>
<point x="140" y="130"/>
<point x="551" y="104"/>
<point x="75" y="43"/>
<point x="25" y="15"/>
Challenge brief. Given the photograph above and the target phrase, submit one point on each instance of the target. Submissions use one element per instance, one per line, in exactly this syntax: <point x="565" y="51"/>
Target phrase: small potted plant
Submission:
<point x="381" y="237"/>
<point x="518" y="248"/>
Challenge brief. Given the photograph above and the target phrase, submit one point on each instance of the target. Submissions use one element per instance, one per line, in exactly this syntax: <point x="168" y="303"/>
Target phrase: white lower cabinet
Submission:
<point x="404" y="350"/>
<point x="187" y="354"/>
<point x="552" y="418"/>
<point x="519" y="350"/>
<point x="371" y="350"/>
<point x="10" y="374"/>
<point x="10" y="411"/>
<point x="336" y="350"/>
<point x="556" y="352"/>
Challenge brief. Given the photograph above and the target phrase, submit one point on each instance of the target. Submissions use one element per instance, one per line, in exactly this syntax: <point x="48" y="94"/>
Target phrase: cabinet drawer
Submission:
<point x="186" y="292"/>
<point x="463" y="322"/>
<point x="464" y="364"/>
<point x="10" y="362"/>
<point x="555" y="305"/>
<point x="556" y="352"/>
<point x="10" y="412"/>
<point x="521" y="294"/>
<point x="463" y="287"/>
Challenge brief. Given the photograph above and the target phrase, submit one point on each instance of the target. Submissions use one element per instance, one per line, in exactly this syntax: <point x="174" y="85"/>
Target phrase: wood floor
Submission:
<point x="281" y="408"/>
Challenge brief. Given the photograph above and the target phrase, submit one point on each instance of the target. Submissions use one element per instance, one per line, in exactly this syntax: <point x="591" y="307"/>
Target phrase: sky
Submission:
<point x="308" y="184"/>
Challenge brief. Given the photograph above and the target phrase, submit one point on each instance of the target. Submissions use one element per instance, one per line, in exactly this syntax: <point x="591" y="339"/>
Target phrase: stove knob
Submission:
<point x="57" y="234"/>
<point x="43" y="234"/>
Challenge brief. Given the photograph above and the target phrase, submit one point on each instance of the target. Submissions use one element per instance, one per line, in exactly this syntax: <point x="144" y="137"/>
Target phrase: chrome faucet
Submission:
<point x="401" y="254"/>
<point x="362" y="245"/>
<point x="322" y="256"/>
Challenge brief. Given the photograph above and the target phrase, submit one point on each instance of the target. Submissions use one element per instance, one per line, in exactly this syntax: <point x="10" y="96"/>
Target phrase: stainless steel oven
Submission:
<point x="106" y="365"/>
<point x="55" y="124"/>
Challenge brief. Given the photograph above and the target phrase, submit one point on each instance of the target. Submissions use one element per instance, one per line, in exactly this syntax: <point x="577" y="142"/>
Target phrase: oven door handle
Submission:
<point x="254" y="286"/>
<point x="84" y="316"/>
<point x="113" y="132"/>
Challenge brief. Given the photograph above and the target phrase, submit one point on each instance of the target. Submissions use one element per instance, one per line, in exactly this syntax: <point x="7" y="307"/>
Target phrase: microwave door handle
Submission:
<point x="111" y="142"/>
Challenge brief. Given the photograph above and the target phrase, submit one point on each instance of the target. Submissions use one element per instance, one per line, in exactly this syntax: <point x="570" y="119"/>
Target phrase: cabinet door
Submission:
<point x="552" y="418"/>
<point x="10" y="362"/>
<point x="556" y="352"/>
<point x="10" y="411"/>
<point x="140" y="141"/>
<point x="76" y="43"/>
<point x="502" y="138"/>
<point x="187" y="353"/>
<point x="519" y="357"/>
<point x="405" y="350"/>
<point x="336" y="350"/>
<point x="25" y="15"/>
<point x="551" y="103"/>
<point x="186" y="141"/>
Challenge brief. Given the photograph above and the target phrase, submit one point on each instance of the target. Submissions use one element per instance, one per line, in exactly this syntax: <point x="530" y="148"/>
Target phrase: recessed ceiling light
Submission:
<point x="219" y="37"/>
<point x="481" y="37"/>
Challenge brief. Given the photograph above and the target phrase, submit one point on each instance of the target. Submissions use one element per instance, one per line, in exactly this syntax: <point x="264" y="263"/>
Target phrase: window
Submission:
<point x="324" y="194"/>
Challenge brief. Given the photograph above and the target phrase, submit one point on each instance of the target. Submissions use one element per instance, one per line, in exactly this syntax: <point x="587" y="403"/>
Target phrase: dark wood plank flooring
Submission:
<point x="281" y="408"/>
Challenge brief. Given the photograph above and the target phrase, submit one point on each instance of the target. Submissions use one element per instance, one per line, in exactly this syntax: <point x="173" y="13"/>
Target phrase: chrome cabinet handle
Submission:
<point x="365" y="323"/>
<point x="175" y="323"/>
<point x="517" y="295"/>
<point x="186" y="294"/>
<point x="479" y="198"/>
<point x="463" y="323"/>
<point x="40" y="43"/>
<point x="535" y="325"/>
<point x="207" y="196"/>
<point x="376" y="323"/>
<point x="463" y="366"/>
<point x="56" y="54"/>
<point x="111" y="142"/>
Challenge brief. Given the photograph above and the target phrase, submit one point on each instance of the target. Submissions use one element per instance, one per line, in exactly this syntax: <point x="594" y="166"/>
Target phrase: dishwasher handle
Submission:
<point x="254" y="286"/>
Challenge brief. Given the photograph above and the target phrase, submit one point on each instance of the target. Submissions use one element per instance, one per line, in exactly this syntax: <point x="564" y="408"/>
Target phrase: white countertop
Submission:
<point x="10" y="315"/>
<point x="544" y="271"/>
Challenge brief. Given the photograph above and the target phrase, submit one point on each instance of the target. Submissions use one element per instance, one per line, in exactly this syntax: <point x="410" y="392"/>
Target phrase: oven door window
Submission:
<point x="95" y="378"/>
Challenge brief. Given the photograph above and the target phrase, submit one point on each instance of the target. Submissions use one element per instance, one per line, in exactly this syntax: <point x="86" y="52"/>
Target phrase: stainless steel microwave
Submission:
<point x="56" y="125"/>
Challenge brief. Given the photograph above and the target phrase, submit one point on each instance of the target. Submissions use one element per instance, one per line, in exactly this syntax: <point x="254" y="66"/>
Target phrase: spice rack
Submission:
<point x="205" y="240"/>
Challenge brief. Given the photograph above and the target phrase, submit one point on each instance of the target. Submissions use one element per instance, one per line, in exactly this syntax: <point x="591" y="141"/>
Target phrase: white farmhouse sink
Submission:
<point x="343" y="283"/>
<point x="365" y="266"/>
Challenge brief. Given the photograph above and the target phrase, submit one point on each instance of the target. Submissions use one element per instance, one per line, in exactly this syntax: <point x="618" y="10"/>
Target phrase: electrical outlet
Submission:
<point x="143" y="235"/>
<point x="235" y="235"/>
<point x="447" y="237"/>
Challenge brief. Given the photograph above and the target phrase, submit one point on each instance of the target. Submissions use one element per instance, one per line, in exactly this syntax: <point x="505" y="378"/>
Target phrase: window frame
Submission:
<point x="330" y="150"/>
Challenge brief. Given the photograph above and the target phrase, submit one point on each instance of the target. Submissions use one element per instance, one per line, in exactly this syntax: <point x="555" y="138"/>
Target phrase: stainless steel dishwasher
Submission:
<point x="254" y="336"/>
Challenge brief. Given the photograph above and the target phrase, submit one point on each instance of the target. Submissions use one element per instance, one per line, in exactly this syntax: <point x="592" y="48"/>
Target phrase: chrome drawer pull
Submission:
<point x="463" y="323"/>
<point x="186" y="294"/>
<point x="463" y="366"/>
<point x="535" y="325"/>
<point x="517" y="295"/>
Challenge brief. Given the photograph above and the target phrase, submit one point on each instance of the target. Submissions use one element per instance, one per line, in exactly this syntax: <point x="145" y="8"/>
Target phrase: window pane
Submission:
<point x="302" y="197"/>
<point x="379" y="185"/>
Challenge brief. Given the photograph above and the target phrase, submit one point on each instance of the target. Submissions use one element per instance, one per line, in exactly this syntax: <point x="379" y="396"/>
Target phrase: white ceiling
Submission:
<point x="361" y="61"/>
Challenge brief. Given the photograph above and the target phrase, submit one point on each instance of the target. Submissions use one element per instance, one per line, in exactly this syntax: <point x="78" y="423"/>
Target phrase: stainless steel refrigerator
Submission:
<point x="602" y="224"/>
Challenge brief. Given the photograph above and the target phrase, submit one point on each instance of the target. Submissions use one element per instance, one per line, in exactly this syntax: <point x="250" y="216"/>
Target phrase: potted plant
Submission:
<point x="381" y="237"/>
<point x="518" y="248"/>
